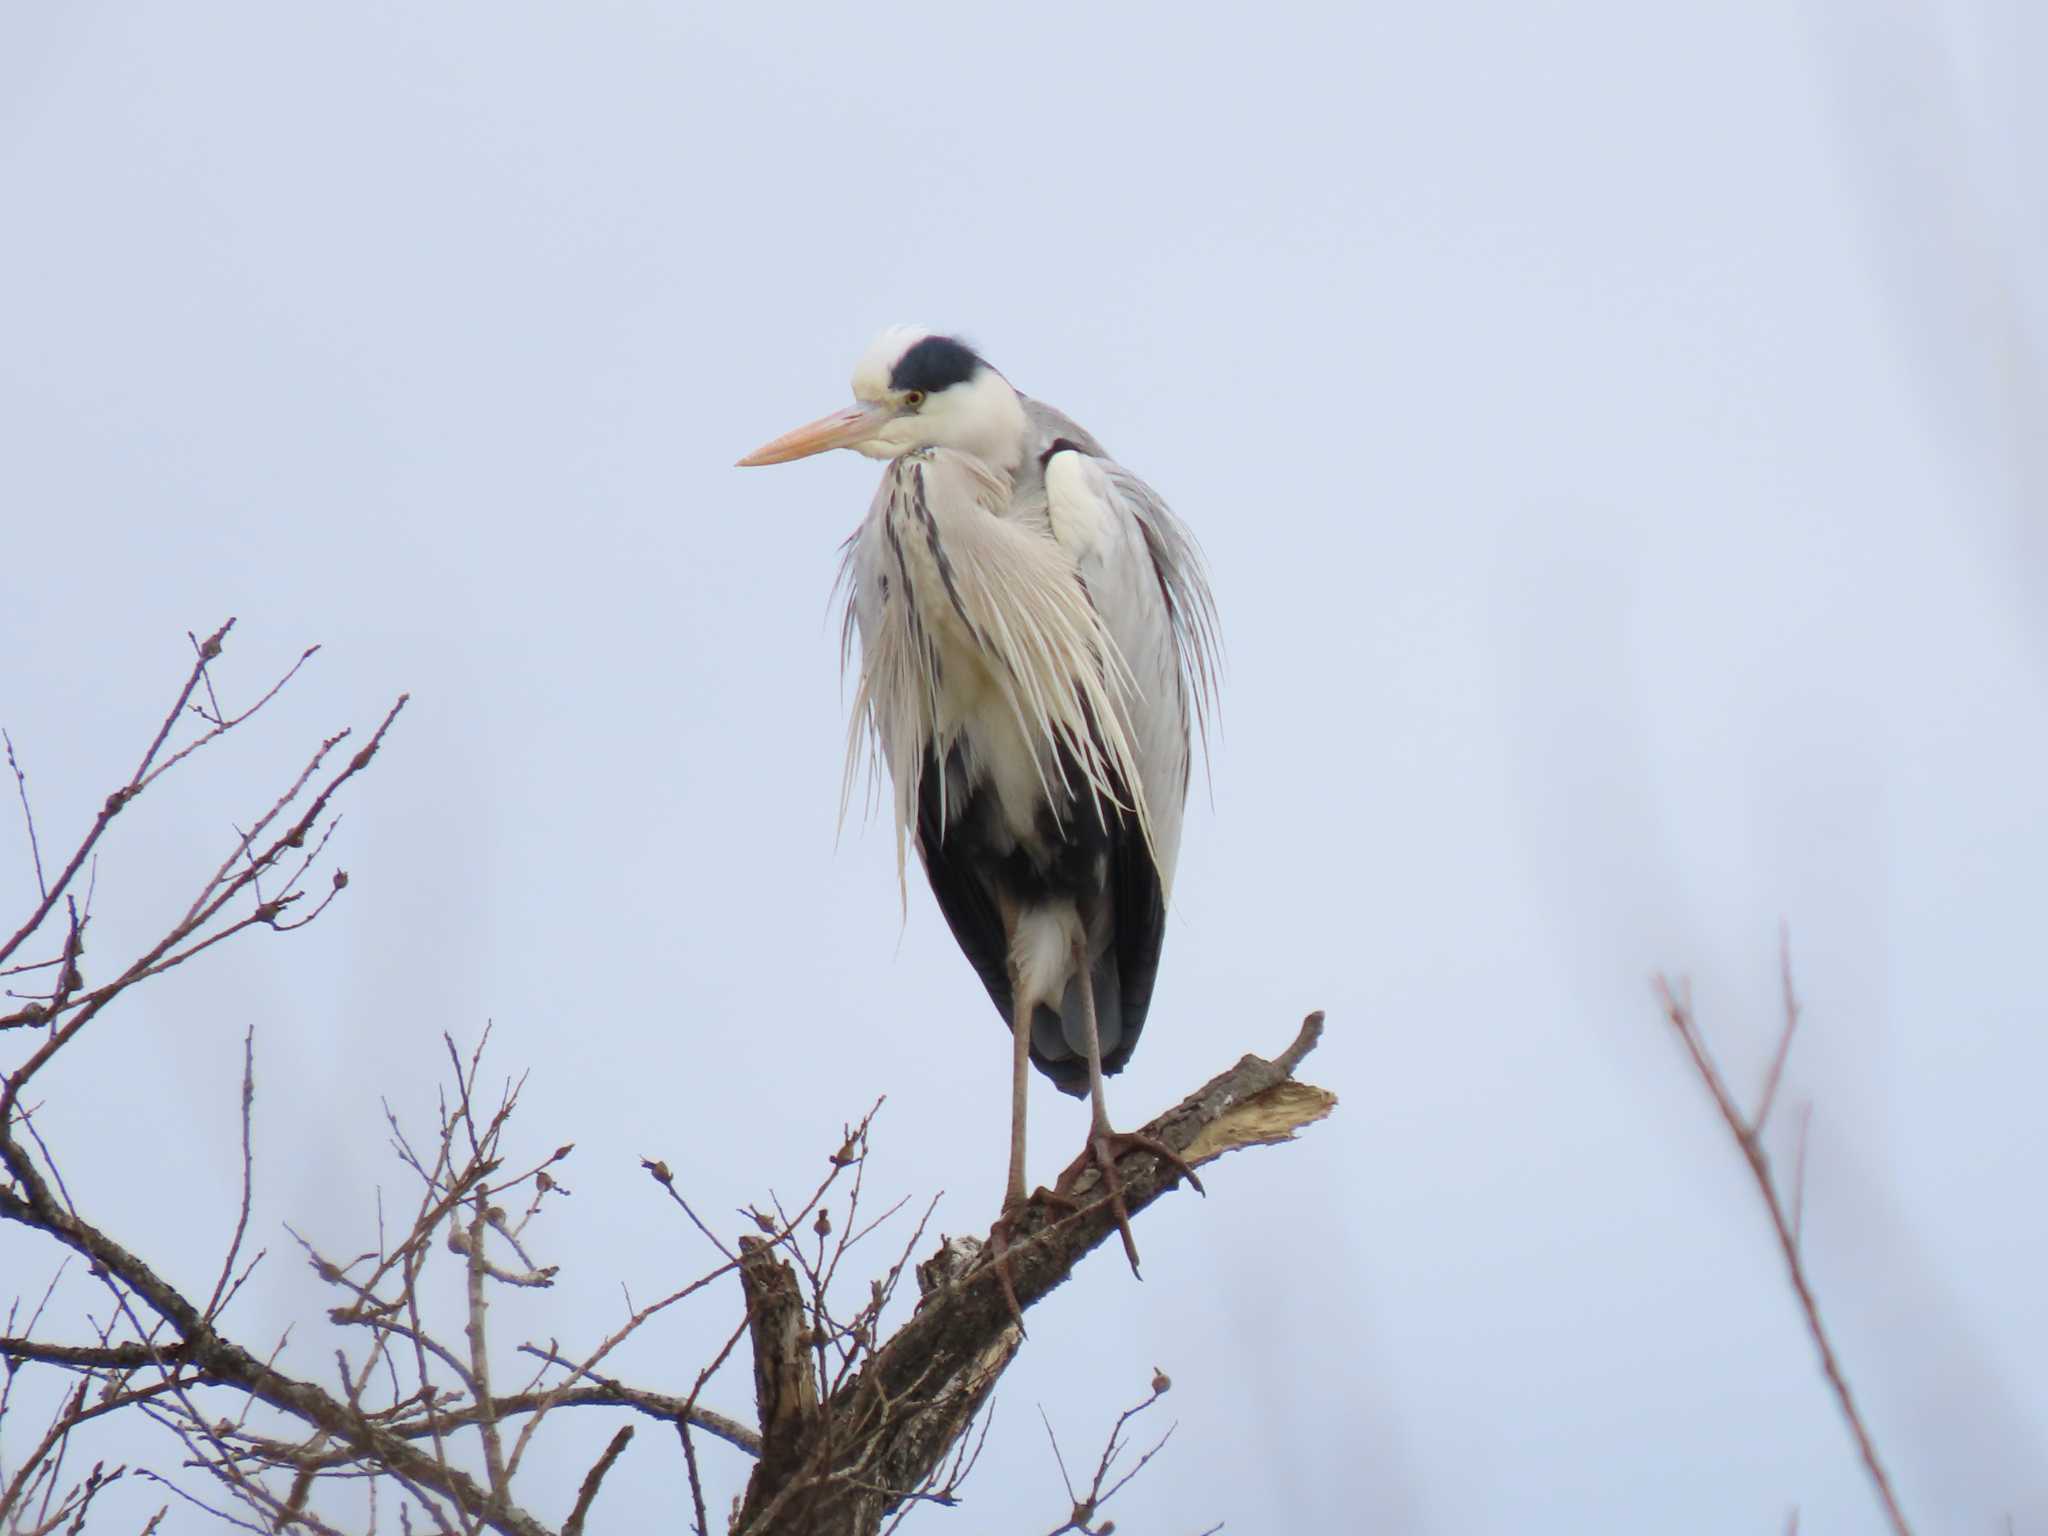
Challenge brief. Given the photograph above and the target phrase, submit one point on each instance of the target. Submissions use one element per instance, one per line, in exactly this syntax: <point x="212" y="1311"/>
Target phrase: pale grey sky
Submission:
<point x="1616" y="437"/>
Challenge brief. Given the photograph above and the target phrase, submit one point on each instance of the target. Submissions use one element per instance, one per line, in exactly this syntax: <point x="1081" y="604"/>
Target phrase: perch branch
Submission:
<point x="875" y="1441"/>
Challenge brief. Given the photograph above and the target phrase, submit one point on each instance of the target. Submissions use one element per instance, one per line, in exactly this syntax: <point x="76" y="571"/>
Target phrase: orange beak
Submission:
<point x="842" y="429"/>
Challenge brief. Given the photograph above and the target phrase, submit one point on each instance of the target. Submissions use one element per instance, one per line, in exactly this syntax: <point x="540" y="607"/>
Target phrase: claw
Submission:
<point x="1102" y="1152"/>
<point x="1005" y="1229"/>
<point x="999" y="1252"/>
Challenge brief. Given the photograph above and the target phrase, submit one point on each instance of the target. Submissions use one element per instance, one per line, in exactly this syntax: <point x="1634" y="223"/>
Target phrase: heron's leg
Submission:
<point x="1020" y="1082"/>
<point x="1098" y="1101"/>
<point x="1014" y="1197"/>
<point x="1105" y="1143"/>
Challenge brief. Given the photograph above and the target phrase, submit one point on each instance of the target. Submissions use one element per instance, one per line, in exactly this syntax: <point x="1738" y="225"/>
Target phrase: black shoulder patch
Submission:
<point x="1060" y="445"/>
<point x="936" y="363"/>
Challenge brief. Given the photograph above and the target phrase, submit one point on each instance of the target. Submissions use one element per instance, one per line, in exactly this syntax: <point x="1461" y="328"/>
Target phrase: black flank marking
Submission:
<point x="1094" y="857"/>
<point x="936" y="363"/>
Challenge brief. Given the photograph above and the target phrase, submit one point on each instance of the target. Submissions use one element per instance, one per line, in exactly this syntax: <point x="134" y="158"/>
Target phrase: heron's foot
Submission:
<point x="1004" y="1232"/>
<point x="1104" y="1149"/>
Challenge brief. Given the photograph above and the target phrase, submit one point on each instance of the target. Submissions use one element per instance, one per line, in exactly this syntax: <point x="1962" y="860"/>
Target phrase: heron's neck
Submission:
<point x="987" y="421"/>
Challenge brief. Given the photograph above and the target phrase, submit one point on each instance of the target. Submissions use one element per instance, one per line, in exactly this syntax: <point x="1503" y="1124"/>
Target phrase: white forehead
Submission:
<point x="871" y="373"/>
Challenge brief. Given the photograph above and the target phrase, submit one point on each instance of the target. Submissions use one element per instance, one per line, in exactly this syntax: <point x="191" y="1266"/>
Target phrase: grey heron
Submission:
<point x="1037" y="645"/>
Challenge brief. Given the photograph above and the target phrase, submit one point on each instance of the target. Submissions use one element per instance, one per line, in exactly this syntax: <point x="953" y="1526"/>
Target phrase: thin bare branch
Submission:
<point x="1777" y="1069"/>
<point x="1060" y="1461"/>
<point x="701" y="1526"/>
<point x="573" y="1526"/>
<point x="1678" y="1010"/>
<point x="215" y="1301"/>
<point x="294" y="836"/>
<point x="28" y="817"/>
<point x="119" y="799"/>
<point x="221" y="724"/>
<point x="34" y="1470"/>
<point x="214" y="1358"/>
<point x="658" y="1170"/>
<point x="1101" y="1489"/>
<point x="480" y="1354"/>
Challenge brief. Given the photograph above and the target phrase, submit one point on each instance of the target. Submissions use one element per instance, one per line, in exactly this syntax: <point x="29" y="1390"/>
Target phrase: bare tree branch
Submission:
<point x="573" y="1526"/>
<point x="163" y="954"/>
<point x="28" y="817"/>
<point x="785" y="1386"/>
<point x="209" y="648"/>
<point x="1748" y="1134"/>
<point x="227" y="1266"/>
<point x="1101" y="1489"/>
<point x="855" y="1422"/>
<point x="877" y="1438"/>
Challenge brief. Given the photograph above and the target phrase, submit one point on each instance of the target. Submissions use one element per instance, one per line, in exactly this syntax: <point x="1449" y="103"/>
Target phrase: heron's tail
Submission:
<point x="1059" y="1046"/>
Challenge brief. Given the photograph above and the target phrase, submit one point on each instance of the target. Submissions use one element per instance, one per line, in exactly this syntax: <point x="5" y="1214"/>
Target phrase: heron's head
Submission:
<point x="915" y="390"/>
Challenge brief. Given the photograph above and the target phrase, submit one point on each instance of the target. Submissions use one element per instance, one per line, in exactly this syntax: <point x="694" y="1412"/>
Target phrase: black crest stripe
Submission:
<point x="935" y="363"/>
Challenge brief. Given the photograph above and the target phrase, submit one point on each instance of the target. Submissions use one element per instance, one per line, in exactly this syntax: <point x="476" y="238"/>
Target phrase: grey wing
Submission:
<point x="1048" y="425"/>
<point x="1145" y="577"/>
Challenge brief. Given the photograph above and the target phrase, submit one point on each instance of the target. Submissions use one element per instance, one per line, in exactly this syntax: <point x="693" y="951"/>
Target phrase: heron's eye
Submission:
<point x="914" y="399"/>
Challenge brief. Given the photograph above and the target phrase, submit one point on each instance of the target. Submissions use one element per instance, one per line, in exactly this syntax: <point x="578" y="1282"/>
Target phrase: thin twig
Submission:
<point x="119" y="799"/>
<point x="573" y="1526"/>
<point x="1086" y="1506"/>
<point x="702" y="1526"/>
<point x="616" y="1394"/>
<point x="294" y="836"/>
<point x="28" y="816"/>
<point x="227" y="1264"/>
<point x="221" y="724"/>
<point x="1777" y="1071"/>
<point x="1680" y="1014"/>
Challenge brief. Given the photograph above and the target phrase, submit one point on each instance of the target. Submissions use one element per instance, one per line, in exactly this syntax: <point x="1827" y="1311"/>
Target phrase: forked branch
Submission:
<point x="1748" y="1131"/>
